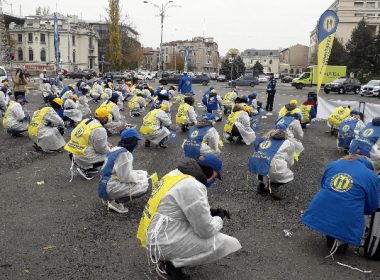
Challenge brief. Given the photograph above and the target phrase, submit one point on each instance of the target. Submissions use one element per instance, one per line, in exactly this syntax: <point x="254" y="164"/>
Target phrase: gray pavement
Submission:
<point x="53" y="229"/>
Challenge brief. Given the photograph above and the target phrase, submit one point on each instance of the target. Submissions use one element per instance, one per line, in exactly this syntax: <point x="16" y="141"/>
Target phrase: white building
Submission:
<point x="34" y="43"/>
<point x="269" y="59"/>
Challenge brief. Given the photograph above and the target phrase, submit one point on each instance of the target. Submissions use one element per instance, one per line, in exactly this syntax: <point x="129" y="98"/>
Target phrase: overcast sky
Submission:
<point x="241" y="24"/>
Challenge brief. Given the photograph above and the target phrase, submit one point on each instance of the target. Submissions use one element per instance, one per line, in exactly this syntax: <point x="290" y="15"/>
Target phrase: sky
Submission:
<point x="241" y="24"/>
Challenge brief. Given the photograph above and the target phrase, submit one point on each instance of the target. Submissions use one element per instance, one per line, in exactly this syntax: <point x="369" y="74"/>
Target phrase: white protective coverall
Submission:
<point x="187" y="233"/>
<point x="191" y="116"/>
<point x="83" y="106"/>
<point x="16" y="120"/>
<point x="161" y="122"/>
<point x="125" y="181"/>
<point x="49" y="138"/>
<point x="281" y="163"/>
<point x="117" y="124"/>
<point x="97" y="148"/>
<point x="139" y="106"/>
<point x="71" y="110"/>
<point x="295" y="134"/>
<point x="243" y="124"/>
<point x="97" y="91"/>
<point x="3" y="103"/>
<point x="46" y="89"/>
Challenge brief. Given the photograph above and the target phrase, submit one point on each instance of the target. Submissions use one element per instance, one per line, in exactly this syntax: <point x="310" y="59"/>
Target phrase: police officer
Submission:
<point x="186" y="115"/>
<point x="271" y="91"/>
<point x="349" y="129"/>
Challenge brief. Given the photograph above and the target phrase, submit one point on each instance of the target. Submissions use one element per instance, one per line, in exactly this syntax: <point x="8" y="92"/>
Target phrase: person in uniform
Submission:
<point x="214" y="105"/>
<point x="185" y="84"/>
<point x="71" y="112"/>
<point x="178" y="227"/>
<point x="229" y="101"/>
<point x="137" y="103"/>
<point x="186" y="116"/>
<point x="15" y="120"/>
<point x="238" y="126"/>
<point x="289" y="108"/>
<point x="339" y="114"/>
<point x="115" y="124"/>
<point x="271" y="92"/>
<point x="308" y="111"/>
<point x="348" y="130"/>
<point x="119" y="182"/>
<point x="46" y="128"/>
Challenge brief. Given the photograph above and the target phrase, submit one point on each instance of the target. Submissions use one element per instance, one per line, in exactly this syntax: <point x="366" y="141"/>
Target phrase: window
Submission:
<point x="359" y="14"/>
<point x="359" y="4"/>
<point x="73" y="40"/>
<point x="74" y="56"/>
<point x="371" y="4"/>
<point x="31" y="56"/>
<point x="20" y="55"/>
<point x="30" y="37"/>
<point x="43" y="55"/>
<point x="42" y="39"/>
<point x="19" y="38"/>
<point x="90" y="45"/>
<point x="371" y="15"/>
<point x="270" y="62"/>
<point x="270" y="53"/>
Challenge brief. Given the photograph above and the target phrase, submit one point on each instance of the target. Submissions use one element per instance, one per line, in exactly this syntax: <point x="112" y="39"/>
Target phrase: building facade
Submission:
<point x="294" y="60"/>
<point x="350" y="12"/>
<point x="203" y="54"/>
<point x="34" y="43"/>
<point x="151" y="59"/>
<point x="269" y="59"/>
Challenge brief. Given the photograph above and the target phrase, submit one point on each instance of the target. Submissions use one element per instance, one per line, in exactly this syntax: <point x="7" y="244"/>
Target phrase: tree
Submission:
<point x="257" y="69"/>
<point x="358" y="49"/>
<point x="375" y="55"/>
<point x="235" y="64"/>
<point x="338" y="54"/>
<point x="177" y="64"/>
<point x="114" y="47"/>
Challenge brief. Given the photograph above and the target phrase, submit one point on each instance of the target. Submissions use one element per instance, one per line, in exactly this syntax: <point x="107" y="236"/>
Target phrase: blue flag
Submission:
<point x="56" y="43"/>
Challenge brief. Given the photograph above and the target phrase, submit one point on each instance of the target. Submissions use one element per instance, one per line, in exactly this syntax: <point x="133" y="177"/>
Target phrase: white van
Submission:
<point x="3" y="74"/>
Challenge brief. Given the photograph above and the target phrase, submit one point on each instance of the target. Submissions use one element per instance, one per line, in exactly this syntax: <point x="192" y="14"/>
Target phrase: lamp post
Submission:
<point x="162" y="13"/>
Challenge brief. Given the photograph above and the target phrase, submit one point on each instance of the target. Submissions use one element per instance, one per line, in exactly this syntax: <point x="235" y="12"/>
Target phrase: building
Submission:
<point x="269" y="59"/>
<point x="151" y="59"/>
<point x="203" y="54"/>
<point x="294" y="59"/>
<point x="350" y="12"/>
<point x="34" y="43"/>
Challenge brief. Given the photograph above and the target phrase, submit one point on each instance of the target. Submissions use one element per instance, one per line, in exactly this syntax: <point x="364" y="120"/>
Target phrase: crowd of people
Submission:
<point x="178" y="226"/>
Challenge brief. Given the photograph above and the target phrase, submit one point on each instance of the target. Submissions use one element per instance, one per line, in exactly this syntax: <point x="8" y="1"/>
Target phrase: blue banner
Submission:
<point x="56" y="43"/>
<point x="187" y="59"/>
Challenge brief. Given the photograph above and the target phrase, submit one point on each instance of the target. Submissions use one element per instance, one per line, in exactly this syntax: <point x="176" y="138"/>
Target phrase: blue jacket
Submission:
<point x="350" y="189"/>
<point x="185" y="84"/>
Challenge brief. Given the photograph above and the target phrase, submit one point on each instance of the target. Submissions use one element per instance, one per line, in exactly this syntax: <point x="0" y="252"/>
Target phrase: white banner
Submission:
<point x="325" y="108"/>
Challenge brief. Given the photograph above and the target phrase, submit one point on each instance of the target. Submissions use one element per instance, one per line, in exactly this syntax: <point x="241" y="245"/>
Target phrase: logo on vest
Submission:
<point x="341" y="182"/>
<point x="79" y="132"/>
<point x="282" y="121"/>
<point x="346" y="128"/>
<point x="341" y="112"/>
<point x="265" y="145"/>
<point x="194" y="134"/>
<point x="368" y="132"/>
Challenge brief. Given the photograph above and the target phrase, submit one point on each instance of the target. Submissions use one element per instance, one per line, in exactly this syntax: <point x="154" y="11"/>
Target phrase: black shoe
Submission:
<point x="147" y="143"/>
<point x="275" y="193"/>
<point x="230" y="139"/>
<point x="174" y="273"/>
<point x="37" y="148"/>
<point x="85" y="174"/>
<point x="163" y="145"/>
<point x="342" y="248"/>
<point x="261" y="188"/>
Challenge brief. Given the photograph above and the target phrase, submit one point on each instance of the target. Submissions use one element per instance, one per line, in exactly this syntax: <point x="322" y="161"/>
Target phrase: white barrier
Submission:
<point x="325" y="108"/>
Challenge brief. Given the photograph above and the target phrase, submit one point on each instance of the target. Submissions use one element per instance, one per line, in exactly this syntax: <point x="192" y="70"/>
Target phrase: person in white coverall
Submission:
<point x="46" y="128"/>
<point x="120" y="183"/>
<point x="184" y="230"/>
<point x="116" y="124"/>
<point x="15" y="120"/>
<point x="71" y="110"/>
<point x="238" y="126"/>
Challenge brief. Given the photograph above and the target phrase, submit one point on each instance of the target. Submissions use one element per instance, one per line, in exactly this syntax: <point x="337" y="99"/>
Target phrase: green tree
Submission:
<point x="359" y="49"/>
<point x="338" y="54"/>
<point x="235" y="64"/>
<point x="114" y="47"/>
<point x="374" y="57"/>
<point x="257" y="69"/>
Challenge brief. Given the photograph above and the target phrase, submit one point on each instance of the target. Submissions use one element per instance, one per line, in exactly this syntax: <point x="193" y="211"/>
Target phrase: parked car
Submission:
<point x="343" y="85"/>
<point x="371" y="88"/>
<point x="80" y="74"/>
<point x="213" y="76"/>
<point x="263" y="79"/>
<point x="221" y="78"/>
<point x="175" y="78"/>
<point x="149" y="76"/>
<point x="91" y="71"/>
<point x="244" y="81"/>
<point x="118" y="76"/>
<point x="140" y="76"/>
<point x="286" y="79"/>
<point x="3" y="73"/>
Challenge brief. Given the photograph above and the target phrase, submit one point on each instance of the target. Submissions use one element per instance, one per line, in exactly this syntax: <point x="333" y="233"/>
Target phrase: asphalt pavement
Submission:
<point x="53" y="229"/>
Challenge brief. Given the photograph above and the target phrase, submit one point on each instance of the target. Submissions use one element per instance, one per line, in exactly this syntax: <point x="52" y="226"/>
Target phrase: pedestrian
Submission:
<point x="20" y="83"/>
<point x="186" y="116"/>
<point x="15" y="120"/>
<point x="348" y="130"/>
<point x="88" y="146"/>
<point x="155" y="127"/>
<point x="185" y="84"/>
<point x="238" y="126"/>
<point x="44" y="77"/>
<point x="271" y="91"/>
<point x="119" y="182"/>
<point x="272" y="160"/>
<point x="178" y="227"/>
<point x="349" y="190"/>
<point x="46" y="128"/>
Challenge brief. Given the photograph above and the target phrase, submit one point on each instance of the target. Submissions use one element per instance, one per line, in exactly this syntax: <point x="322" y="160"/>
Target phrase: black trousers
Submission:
<point x="270" y="101"/>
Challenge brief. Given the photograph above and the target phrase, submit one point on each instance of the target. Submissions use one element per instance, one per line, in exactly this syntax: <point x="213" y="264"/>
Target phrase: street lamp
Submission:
<point x="162" y="10"/>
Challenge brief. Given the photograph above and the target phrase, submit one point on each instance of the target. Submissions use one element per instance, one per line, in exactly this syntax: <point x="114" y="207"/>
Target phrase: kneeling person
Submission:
<point x="15" y="120"/>
<point x="238" y="126"/>
<point x="186" y="115"/>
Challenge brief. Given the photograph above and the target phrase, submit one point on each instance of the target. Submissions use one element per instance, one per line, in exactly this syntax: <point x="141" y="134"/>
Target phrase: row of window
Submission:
<point x="367" y="4"/>
<point x="366" y="15"/>
<point x="43" y="38"/>
<point x="20" y="55"/>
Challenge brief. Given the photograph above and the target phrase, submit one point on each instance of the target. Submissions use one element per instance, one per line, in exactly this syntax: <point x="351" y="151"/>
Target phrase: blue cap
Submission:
<point x="253" y="94"/>
<point x="355" y="112"/>
<point x="281" y="126"/>
<point x="212" y="161"/>
<point x="115" y="95"/>
<point x="21" y="97"/>
<point x="130" y="133"/>
<point x="209" y="117"/>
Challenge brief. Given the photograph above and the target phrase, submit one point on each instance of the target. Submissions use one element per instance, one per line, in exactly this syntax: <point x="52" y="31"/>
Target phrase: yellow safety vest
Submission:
<point x="180" y="118"/>
<point x="108" y="105"/>
<point x="80" y="137"/>
<point x="7" y="112"/>
<point x="158" y="192"/>
<point x="305" y="112"/>
<point x="132" y="102"/>
<point x="284" y="111"/>
<point x="228" y="98"/>
<point x="231" y="121"/>
<point x="37" y="121"/>
<point x="148" y="123"/>
<point x="338" y="115"/>
<point x="66" y="94"/>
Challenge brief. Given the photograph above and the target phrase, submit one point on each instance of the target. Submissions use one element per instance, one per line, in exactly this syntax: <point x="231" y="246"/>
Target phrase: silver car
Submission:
<point x="371" y="88"/>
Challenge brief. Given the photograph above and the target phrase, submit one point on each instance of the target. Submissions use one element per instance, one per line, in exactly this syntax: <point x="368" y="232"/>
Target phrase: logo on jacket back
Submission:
<point x="194" y="134"/>
<point x="346" y="128"/>
<point x="341" y="182"/>
<point x="265" y="145"/>
<point x="368" y="132"/>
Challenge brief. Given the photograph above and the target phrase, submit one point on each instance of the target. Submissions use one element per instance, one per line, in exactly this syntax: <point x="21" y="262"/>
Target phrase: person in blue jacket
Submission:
<point x="349" y="190"/>
<point x="185" y="84"/>
<point x="206" y="95"/>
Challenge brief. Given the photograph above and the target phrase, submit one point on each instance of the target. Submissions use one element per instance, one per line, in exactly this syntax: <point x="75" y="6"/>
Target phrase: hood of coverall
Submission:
<point x="192" y="168"/>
